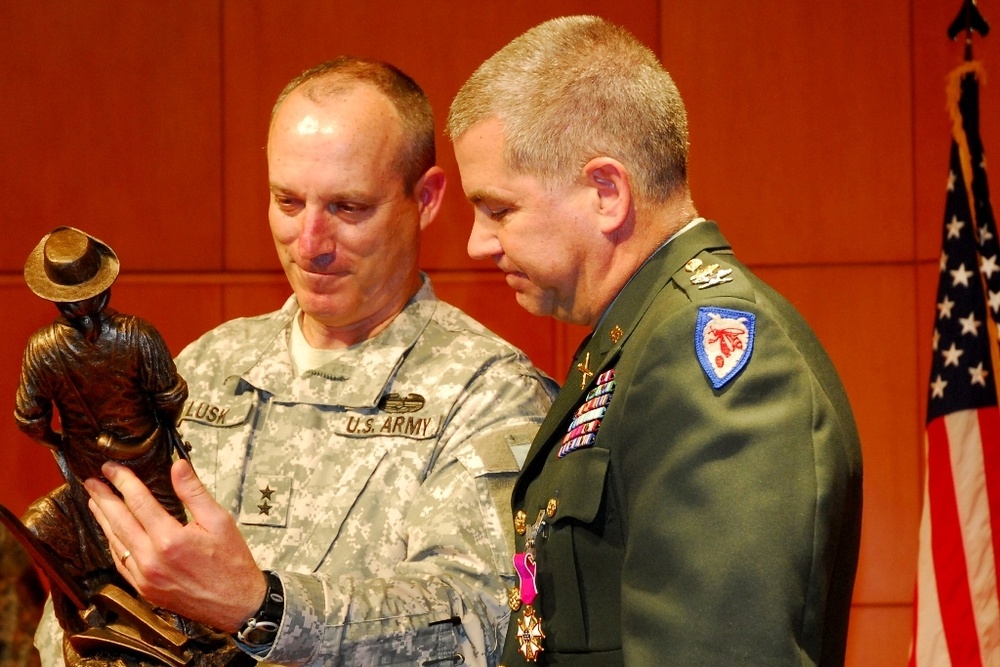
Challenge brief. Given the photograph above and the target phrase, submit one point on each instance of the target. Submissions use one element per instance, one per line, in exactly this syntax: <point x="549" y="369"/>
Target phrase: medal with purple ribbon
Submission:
<point x="529" y="626"/>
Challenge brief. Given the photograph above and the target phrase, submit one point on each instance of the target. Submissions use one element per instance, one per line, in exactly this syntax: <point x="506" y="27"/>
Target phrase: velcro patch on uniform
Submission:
<point x="265" y="502"/>
<point x="723" y="339"/>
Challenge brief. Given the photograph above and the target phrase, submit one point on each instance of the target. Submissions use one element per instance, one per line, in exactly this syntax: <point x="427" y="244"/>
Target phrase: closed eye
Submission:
<point x="348" y="207"/>
<point x="287" y="204"/>
<point x="351" y="211"/>
<point x="495" y="212"/>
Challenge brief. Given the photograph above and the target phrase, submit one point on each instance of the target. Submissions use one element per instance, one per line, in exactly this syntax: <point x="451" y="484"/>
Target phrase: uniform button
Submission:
<point x="551" y="507"/>
<point x="520" y="522"/>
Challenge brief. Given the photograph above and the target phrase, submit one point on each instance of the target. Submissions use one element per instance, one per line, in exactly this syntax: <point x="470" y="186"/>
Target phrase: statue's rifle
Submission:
<point x="45" y="559"/>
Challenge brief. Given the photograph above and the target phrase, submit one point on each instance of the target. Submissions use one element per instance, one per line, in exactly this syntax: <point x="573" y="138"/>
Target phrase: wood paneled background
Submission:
<point x="819" y="141"/>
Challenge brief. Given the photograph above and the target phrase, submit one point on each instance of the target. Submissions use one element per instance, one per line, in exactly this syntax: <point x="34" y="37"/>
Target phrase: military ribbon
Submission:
<point x="524" y="564"/>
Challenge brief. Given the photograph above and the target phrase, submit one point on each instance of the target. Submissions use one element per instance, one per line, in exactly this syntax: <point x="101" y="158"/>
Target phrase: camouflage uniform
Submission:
<point x="371" y="484"/>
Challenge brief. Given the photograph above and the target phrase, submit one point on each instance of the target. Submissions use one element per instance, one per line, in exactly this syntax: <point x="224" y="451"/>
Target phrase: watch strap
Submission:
<point x="259" y="631"/>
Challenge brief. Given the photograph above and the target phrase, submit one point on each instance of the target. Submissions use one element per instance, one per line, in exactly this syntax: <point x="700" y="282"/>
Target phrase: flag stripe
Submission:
<point x="959" y="622"/>
<point x="929" y="645"/>
<point x="969" y="472"/>
<point x="989" y="428"/>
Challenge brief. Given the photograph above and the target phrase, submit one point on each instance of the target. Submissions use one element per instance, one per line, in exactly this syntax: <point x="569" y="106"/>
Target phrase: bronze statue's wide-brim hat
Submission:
<point x="70" y="265"/>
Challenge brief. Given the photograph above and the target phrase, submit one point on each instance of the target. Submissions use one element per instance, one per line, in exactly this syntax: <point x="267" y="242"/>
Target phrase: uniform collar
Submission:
<point x="631" y="303"/>
<point x="359" y="377"/>
<point x="658" y="252"/>
<point x="620" y="320"/>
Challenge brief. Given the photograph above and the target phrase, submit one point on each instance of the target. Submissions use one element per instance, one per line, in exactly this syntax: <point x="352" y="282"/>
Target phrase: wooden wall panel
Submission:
<point x="110" y="122"/>
<point x="246" y="298"/>
<point x="800" y="124"/>
<point x="927" y="275"/>
<point x="180" y="310"/>
<point x="879" y="636"/>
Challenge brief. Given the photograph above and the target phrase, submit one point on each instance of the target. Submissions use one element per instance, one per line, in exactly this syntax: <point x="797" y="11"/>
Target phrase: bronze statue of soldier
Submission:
<point x="112" y="381"/>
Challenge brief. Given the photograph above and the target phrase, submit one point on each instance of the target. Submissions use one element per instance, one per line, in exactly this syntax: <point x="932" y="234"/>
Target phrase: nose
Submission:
<point x="317" y="238"/>
<point x="483" y="242"/>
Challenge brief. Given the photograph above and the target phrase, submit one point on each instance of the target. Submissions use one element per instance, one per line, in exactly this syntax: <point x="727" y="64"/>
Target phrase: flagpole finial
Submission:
<point x="969" y="20"/>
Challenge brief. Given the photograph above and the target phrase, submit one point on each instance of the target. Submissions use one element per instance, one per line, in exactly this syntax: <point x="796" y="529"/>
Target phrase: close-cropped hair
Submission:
<point x="575" y="88"/>
<point x="337" y="76"/>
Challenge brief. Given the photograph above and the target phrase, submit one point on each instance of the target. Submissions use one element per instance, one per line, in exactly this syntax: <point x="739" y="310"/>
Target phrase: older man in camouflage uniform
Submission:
<point x="362" y="436"/>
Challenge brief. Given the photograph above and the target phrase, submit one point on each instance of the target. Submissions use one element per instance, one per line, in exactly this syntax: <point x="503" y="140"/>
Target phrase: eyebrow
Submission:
<point x="480" y="195"/>
<point x="349" y="195"/>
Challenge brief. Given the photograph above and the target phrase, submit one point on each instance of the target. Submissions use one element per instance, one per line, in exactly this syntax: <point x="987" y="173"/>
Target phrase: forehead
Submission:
<point x="355" y="129"/>
<point x="356" y="110"/>
<point x="484" y="171"/>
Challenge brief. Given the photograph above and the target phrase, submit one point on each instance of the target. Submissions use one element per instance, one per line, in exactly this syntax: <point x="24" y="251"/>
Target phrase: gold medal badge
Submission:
<point x="529" y="635"/>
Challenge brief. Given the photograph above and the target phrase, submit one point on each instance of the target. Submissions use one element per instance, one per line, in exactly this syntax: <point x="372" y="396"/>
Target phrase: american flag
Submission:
<point x="956" y="617"/>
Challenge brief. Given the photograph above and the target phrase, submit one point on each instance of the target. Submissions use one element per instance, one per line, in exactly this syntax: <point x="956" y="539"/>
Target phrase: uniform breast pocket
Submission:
<point x="578" y="555"/>
<point x="578" y="486"/>
<point x="215" y="428"/>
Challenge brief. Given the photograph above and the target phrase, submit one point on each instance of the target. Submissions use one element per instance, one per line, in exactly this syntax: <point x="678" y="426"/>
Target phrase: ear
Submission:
<point x="429" y="192"/>
<point x="612" y="189"/>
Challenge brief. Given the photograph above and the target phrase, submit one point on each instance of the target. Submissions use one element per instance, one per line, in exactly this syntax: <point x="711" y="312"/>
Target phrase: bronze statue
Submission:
<point x="111" y="380"/>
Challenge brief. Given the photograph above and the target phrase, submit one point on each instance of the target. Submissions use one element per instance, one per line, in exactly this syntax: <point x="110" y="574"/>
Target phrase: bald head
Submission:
<point x="414" y="117"/>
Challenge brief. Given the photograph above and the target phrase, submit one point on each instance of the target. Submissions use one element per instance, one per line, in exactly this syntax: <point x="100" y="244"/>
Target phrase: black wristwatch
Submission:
<point x="259" y="631"/>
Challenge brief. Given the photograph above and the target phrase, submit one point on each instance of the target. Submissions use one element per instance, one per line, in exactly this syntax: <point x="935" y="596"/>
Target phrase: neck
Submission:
<point x="333" y="337"/>
<point x="648" y="228"/>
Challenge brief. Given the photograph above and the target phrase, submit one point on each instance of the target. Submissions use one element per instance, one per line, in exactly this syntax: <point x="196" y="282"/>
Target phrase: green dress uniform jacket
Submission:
<point x="702" y="525"/>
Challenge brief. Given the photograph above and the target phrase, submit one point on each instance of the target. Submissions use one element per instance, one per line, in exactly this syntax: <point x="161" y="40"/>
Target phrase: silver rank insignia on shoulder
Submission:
<point x="707" y="275"/>
<point x="724" y="342"/>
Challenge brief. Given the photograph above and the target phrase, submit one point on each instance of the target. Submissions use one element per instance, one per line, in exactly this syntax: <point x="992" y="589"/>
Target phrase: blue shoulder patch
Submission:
<point x="723" y="339"/>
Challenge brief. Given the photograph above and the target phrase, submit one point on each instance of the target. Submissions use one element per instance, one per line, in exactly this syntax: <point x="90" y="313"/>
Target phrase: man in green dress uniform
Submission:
<point x="694" y="495"/>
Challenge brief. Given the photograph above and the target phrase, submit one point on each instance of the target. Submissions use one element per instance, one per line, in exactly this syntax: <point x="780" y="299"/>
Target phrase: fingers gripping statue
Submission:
<point x="111" y="379"/>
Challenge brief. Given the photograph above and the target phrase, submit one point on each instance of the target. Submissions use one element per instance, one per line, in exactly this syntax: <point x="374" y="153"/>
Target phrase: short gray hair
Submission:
<point x="575" y="88"/>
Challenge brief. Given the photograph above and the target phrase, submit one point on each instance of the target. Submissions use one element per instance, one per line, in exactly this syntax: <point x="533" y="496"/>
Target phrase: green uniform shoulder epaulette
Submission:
<point x="710" y="275"/>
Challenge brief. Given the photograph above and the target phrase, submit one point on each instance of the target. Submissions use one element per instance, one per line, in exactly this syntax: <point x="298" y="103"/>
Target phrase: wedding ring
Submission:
<point x="125" y="556"/>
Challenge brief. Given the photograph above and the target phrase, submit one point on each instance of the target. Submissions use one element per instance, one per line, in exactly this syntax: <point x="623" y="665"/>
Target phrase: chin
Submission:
<point x="533" y="304"/>
<point x="320" y="307"/>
